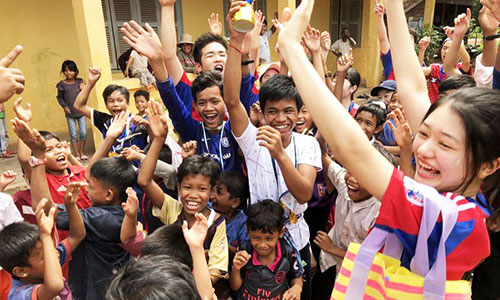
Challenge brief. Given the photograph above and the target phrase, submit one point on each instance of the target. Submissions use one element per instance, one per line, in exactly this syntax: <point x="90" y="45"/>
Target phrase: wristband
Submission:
<point x="35" y="162"/>
<point x="491" y="37"/>
<point x="235" y="48"/>
<point x="328" y="74"/>
<point x="247" y="62"/>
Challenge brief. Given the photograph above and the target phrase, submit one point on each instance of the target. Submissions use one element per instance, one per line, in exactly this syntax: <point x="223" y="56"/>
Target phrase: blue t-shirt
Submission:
<point x="219" y="145"/>
<point x="20" y="290"/>
<point x="236" y="230"/>
<point x="386" y="136"/>
<point x="98" y="254"/>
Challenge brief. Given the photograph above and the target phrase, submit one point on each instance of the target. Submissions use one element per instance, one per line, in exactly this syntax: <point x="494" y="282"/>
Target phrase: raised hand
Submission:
<point x="145" y="42"/>
<point x="31" y="138"/>
<point x="493" y="6"/>
<point x="293" y="31"/>
<point x="345" y="62"/>
<point x="6" y="178"/>
<point x="270" y="138"/>
<point x="312" y="39"/>
<point x="401" y="129"/>
<point x="45" y="222"/>
<point x="11" y="79"/>
<point x="326" y="41"/>
<point x="118" y="125"/>
<point x="131" y="207"/>
<point x="214" y="24"/>
<point x="450" y="32"/>
<point x="73" y="191"/>
<point x="256" y="116"/>
<point x="140" y="121"/>
<point x="462" y="23"/>
<point x="488" y="22"/>
<point x="94" y="74"/>
<point x="379" y="9"/>
<point x="188" y="149"/>
<point x="157" y="123"/>
<point x="195" y="236"/>
<point x="130" y="154"/>
<point x="241" y="258"/>
<point x="22" y="113"/>
<point x="424" y="43"/>
<point x="167" y="2"/>
<point x="235" y="7"/>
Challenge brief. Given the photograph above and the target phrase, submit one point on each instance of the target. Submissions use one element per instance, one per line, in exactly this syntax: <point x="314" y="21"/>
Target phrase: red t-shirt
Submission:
<point x="436" y="76"/>
<point x="59" y="183"/>
<point x="401" y="213"/>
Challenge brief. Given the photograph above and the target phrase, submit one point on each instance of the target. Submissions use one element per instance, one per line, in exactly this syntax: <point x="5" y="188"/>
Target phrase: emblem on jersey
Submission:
<point x="279" y="277"/>
<point x="225" y="142"/>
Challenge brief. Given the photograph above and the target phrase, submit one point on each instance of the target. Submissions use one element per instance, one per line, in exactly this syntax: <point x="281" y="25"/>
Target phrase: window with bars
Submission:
<point x="346" y="14"/>
<point x="116" y="12"/>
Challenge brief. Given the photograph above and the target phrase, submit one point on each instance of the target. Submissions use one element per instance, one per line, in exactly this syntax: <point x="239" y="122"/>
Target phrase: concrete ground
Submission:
<point x="20" y="183"/>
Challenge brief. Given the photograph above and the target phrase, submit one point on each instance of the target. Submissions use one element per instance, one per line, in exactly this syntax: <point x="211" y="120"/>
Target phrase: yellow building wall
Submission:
<point x="195" y="14"/>
<point x="46" y="30"/>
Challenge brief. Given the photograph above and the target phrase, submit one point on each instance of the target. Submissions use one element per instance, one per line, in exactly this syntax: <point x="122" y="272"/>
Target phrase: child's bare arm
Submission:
<point x="195" y="238"/>
<point x="423" y="44"/>
<point x="82" y="98"/>
<point x="240" y="260"/>
<point x="344" y="63"/>
<point x="312" y="40"/>
<point x="76" y="227"/>
<point x="456" y="49"/>
<point x="489" y="25"/>
<point x="129" y="225"/>
<point x="403" y="136"/>
<point x="383" y="40"/>
<point x="169" y="40"/>
<point x="293" y="293"/>
<point x="6" y="178"/>
<point x="23" y="152"/>
<point x="129" y="63"/>
<point x="158" y="131"/>
<point x="53" y="281"/>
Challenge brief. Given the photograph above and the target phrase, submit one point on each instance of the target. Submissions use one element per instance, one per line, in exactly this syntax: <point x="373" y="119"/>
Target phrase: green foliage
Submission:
<point x="437" y="35"/>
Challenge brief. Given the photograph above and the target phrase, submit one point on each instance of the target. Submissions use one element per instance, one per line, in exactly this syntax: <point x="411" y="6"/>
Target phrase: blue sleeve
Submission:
<point x="100" y="224"/>
<point x="243" y="234"/>
<point x="386" y="137"/>
<point x="24" y="293"/>
<point x="63" y="252"/>
<point x="386" y="63"/>
<point x="178" y="112"/>
<point x="247" y="95"/>
<point x="496" y="79"/>
<point x="185" y="95"/>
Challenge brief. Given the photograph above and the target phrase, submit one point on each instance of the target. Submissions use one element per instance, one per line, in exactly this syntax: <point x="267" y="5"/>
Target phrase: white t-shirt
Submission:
<point x="342" y="46"/>
<point x="8" y="211"/>
<point x="140" y="62"/>
<point x="264" y="50"/>
<point x="483" y="75"/>
<point x="302" y="149"/>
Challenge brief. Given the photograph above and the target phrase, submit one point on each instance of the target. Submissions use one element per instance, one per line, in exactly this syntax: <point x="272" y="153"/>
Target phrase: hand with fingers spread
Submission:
<point x="270" y="138"/>
<point x="488" y="22"/>
<point x="131" y="206"/>
<point x="493" y="6"/>
<point x="291" y="34"/>
<point x="259" y="20"/>
<point x="73" y="192"/>
<point x="462" y="23"/>
<point x="31" y="138"/>
<point x="401" y="129"/>
<point x="241" y="258"/>
<point x="22" y="113"/>
<point x="424" y="43"/>
<point x="45" y="221"/>
<point x="188" y="149"/>
<point x="214" y="24"/>
<point x="345" y="62"/>
<point x="158" y="127"/>
<point x="195" y="236"/>
<point x="118" y="125"/>
<point x="94" y="75"/>
<point x="11" y="79"/>
<point x="145" y="41"/>
<point x="312" y="39"/>
<point x="6" y="178"/>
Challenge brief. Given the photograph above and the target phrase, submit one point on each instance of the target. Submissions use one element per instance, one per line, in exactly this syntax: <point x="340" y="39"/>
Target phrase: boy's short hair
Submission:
<point x="110" y="89"/>
<point x="279" y="87"/>
<point x="204" y="40"/>
<point x="152" y="278"/>
<point x="143" y="93"/>
<point x="17" y="240"/>
<point x="237" y="186"/>
<point x="47" y="135"/>
<point x="377" y="108"/>
<point x="168" y="240"/>
<point x="456" y="82"/>
<point x="386" y="154"/>
<point x="265" y="216"/>
<point x="165" y="153"/>
<point x="206" y="80"/>
<point x="115" y="172"/>
<point x="199" y="164"/>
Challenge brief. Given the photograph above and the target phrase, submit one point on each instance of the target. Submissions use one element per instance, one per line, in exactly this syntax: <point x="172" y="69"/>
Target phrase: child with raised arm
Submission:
<point x="116" y="99"/>
<point x="100" y="252"/>
<point x="448" y="168"/>
<point x="266" y="267"/>
<point x="28" y="252"/>
<point x="196" y="179"/>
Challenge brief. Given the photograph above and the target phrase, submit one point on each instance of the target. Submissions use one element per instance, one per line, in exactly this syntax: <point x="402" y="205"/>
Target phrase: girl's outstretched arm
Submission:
<point x="412" y="87"/>
<point x="349" y="143"/>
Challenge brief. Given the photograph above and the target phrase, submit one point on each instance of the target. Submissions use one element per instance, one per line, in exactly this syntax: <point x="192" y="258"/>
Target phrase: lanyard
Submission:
<point x="221" y="158"/>
<point x="273" y="161"/>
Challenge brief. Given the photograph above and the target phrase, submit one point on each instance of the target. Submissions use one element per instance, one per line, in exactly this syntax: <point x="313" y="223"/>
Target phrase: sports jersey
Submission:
<point x="59" y="183"/>
<point x="436" y="76"/>
<point x="221" y="145"/>
<point x="21" y="290"/>
<point x="183" y="89"/>
<point x="387" y="64"/>
<point x="353" y="109"/>
<point x="132" y="135"/>
<point x="386" y="136"/>
<point x="236" y="229"/>
<point x="249" y="94"/>
<point x="401" y="214"/>
<point x="268" y="282"/>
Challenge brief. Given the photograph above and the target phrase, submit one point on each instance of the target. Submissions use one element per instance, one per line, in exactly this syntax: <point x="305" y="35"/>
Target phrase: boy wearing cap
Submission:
<point x="185" y="53"/>
<point x="384" y="91"/>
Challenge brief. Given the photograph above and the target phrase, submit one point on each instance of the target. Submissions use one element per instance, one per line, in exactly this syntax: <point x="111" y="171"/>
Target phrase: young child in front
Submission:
<point x="29" y="255"/>
<point x="141" y="99"/>
<point x="452" y="147"/>
<point x="196" y="179"/>
<point x="108" y="178"/>
<point x="116" y="99"/>
<point x="266" y="267"/>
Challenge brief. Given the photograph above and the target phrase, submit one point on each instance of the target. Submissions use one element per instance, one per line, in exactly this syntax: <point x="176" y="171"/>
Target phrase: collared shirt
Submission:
<point x="353" y="220"/>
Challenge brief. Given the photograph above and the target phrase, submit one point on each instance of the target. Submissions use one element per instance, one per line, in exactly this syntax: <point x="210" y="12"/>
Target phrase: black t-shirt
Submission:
<point x="268" y="282"/>
<point x="98" y="254"/>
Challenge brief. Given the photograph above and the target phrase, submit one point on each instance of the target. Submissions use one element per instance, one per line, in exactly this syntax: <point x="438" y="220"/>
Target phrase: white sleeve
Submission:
<point x="483" y="75"/>
<point x="8" y="211"/>
<point x="336" y="175"/>
<point x="268" y="33"/>
<point x="310" y="152"/>
<point x="247" y="141"/>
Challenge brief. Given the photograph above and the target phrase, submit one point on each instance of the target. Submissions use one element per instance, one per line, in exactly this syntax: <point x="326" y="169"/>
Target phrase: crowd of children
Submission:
<point x="274" y="172"/>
